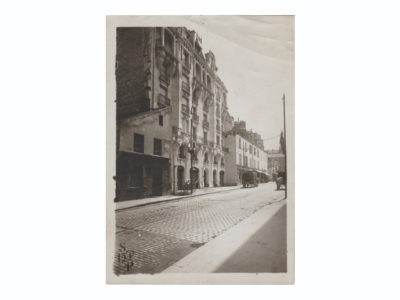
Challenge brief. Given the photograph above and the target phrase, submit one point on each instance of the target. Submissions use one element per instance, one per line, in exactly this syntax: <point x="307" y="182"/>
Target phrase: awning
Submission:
<point x="128" y="160"/>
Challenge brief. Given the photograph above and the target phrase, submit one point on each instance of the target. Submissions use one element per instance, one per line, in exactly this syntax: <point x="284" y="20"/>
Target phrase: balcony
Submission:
<point x="163" y="100"/>
<point x="186" y="68"/>
<point x="206" y="124"/>
<point x="185" y="86"/>
<point x="185" y="109"/>
<point x="195" y="118"/>
<point x="185" y="89"/>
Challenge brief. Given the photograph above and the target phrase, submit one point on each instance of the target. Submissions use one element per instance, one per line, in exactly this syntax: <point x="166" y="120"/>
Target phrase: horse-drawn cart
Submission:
<point x="250" y="179"/>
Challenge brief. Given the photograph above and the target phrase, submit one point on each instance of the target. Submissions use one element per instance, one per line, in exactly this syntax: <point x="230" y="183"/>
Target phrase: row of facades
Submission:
<point x="170" y="100"/>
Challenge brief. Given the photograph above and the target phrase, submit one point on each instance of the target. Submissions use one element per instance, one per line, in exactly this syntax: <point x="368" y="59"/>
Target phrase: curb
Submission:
<point x="177" y="198"/>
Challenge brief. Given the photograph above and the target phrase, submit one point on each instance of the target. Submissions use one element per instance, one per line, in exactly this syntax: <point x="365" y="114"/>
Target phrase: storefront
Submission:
<point x="141" y="176"/>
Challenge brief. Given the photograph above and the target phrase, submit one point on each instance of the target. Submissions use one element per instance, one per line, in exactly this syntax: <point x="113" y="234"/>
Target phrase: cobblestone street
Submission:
<point x="151" y="238"/>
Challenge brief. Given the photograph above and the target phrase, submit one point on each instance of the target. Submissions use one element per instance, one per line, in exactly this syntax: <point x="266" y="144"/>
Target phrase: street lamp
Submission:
<point x="191" y="148"/>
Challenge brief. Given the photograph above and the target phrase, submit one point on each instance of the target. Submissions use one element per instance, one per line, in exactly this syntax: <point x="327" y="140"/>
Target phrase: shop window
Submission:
<point x="136" y="178"/>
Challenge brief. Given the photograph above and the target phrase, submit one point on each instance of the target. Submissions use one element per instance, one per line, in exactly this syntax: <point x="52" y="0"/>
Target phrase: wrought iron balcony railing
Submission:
<point x="206" y="124"/>
<point x="185" y="109"/>
<point x="163" y="100"/>
<point x="185" y="87"/>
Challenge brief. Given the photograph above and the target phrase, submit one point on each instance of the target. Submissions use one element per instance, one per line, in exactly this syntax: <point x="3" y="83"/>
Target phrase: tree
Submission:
<point x="282" y="142"/>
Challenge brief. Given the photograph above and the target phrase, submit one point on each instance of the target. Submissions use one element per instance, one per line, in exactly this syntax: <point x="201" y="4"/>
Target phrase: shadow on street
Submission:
<point x="264" y="252"/>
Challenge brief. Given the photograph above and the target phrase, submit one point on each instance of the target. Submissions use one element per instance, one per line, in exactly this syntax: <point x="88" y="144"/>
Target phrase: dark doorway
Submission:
<point x="215" y="177"/>
<point x="180" y="177"/>
<point x="194" y="175"/>
<point x="205" y="178"/>
<point x="221" y="178"/>
<point x="157" y="182"/>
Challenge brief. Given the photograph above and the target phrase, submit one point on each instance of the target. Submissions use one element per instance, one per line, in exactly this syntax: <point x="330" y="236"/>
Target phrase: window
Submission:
<point x="205" y="116"/>
<point x="186" y="58"/>
<point x="205" y="137"/>
<point x="160" y="120"/>
<point x="195" y="133"/>
<point x="138" y="143"/>
<point x="198" y="71"/>
<point x="240" y="159"/>
<point x="136" y="178"/>
<point x="182" y="153"/>
<point x="218" y="140"/>
<point x="240" y="143"/>
<point x="206" y="157"/>
<point x="157" y="147"/>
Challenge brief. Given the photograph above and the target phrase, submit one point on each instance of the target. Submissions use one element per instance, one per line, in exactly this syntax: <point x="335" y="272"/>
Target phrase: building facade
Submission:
<point x="171" y="113"/>
<point x="276" y="161"/>
<point x="246" y="153"/>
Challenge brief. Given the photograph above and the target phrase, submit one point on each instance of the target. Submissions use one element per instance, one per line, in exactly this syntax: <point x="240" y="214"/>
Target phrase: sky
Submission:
<point x="255" y="60"/>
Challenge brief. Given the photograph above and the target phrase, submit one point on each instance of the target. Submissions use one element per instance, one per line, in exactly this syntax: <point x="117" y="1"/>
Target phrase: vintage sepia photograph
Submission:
<point x="200" y="149"/>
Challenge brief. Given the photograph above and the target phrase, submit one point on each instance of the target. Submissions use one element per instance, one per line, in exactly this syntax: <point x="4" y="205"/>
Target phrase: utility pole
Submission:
<point x="284" y="134"/>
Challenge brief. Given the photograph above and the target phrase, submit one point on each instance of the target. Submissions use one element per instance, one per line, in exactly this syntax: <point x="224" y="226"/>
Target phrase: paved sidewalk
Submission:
<point x="257" y="244"/>
<point x="140" y="202"/>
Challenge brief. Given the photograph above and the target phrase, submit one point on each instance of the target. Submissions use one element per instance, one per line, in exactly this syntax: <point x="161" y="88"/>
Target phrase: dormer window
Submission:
<point x="168" y="41"/>
<point x="186" y="58"/>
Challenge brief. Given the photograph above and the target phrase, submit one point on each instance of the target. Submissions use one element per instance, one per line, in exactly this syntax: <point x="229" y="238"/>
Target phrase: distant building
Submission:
<point x="276" y="161"/>
<point x="245" y="153"/>
<point x="169" y="99"/>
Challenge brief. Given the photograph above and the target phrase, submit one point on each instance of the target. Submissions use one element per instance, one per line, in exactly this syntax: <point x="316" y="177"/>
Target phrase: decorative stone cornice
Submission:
<point x="166" y="63"/>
